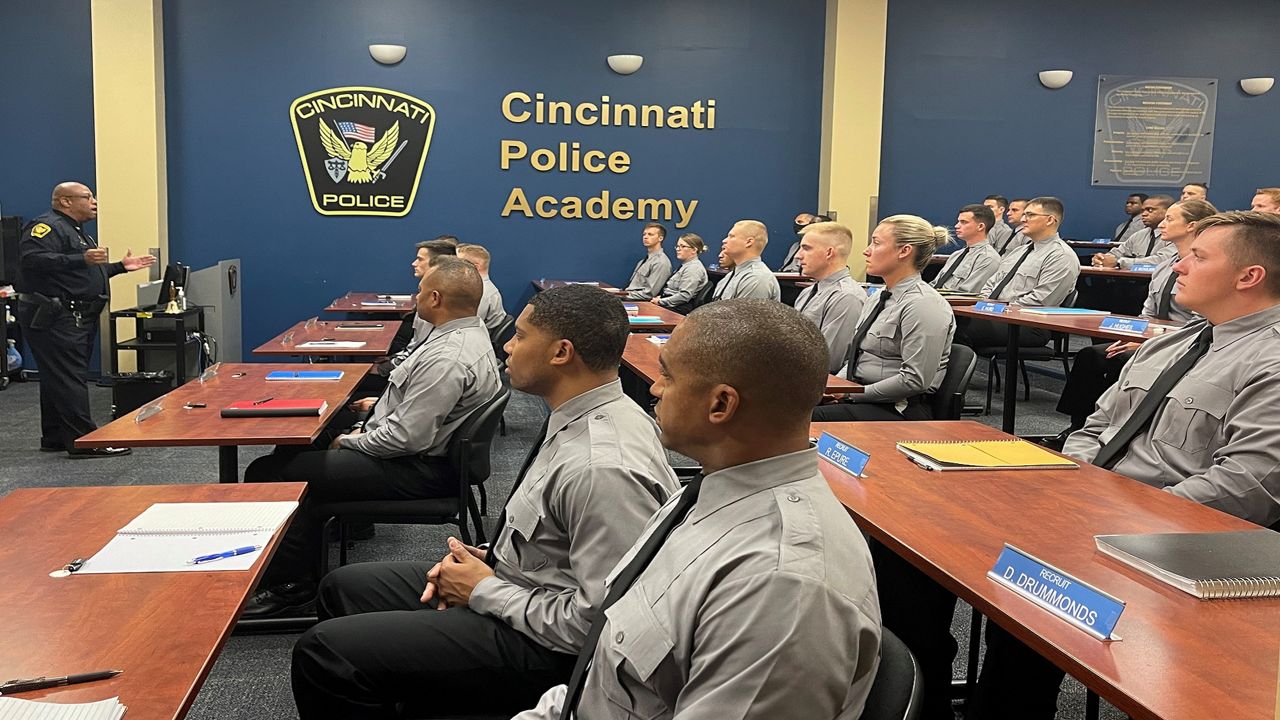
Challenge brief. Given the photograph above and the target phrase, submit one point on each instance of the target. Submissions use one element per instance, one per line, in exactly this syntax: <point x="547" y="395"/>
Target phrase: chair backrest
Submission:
<point x="470" y="443"/>
<point x="500" y="335"/>
<point x="895" y="693"/>
<point x="947" y="402"/>
<point x="700" y="298"/>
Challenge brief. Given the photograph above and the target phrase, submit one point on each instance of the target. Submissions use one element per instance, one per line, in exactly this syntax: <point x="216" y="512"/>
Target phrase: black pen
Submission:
<point x="41" y="683"/>
<point x="263" y="400"/>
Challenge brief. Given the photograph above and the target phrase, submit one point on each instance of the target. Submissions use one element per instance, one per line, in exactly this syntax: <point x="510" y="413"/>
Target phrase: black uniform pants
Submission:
<point x="337" y="476"/>
<point x="62" y="352"/>
<point x="1091" y="374"/>
<point x="980" y="332"/>
<point x="916" y="409"/>
<point x="377" y="645"/>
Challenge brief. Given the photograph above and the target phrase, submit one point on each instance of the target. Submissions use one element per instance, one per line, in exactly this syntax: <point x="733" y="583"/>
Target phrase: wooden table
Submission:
<point x="164" y="630"/>
<point x="176" y="426"/>
<point x="641" y="358"/>
<point x="1087" y="325"/>
<point x="1179" y="658"/>
<point x="667" y="319"/>
<point x="353" y="302"/>
<point x="377" y="341"/>
<point x="1144" y="275"/>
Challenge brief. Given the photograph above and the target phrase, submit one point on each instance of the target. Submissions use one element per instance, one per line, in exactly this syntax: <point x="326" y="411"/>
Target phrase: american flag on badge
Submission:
<point x="356" y="131"/>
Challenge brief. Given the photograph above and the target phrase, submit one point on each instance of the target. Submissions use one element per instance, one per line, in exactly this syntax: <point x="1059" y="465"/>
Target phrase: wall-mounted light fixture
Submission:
<point x="387" y="54"/>
<point x="1258" y="85"/>
<point x="625" y="64"/>
<point x="1054" y="79"/>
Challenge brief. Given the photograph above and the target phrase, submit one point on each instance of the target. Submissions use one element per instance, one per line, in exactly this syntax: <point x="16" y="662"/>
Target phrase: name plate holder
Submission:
<point x="1125" y="325"/>
<point x="843" y="455"/>
<point x="988" y="306"/>
<point x="1143" y="267"/>
<point x="1080" y="604"/>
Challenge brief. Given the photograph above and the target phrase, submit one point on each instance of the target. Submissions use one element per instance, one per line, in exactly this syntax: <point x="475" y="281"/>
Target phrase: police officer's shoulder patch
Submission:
<point x="39" y="230"/>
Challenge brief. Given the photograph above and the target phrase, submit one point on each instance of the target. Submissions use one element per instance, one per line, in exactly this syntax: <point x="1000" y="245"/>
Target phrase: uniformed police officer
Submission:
<point x="62" y="289"/>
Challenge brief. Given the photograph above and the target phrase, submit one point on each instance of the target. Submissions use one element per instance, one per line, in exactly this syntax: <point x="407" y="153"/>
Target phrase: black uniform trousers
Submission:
<point x="338" y="476"/>
<point x="1091" y="374"/>
<point x="916" y="409"/>
<point x="62" y="352"/>
<point x="378" y="646"/>
<point x="979" y="332"/>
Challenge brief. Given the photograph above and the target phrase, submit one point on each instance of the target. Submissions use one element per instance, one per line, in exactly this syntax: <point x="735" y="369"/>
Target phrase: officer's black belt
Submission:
<point x="84" y="306"/>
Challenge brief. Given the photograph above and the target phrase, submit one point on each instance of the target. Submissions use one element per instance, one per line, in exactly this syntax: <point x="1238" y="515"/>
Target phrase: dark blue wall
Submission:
<point x="235" y="182"/>
<point x="46" y="71"/>
<point x="965" y="116"/>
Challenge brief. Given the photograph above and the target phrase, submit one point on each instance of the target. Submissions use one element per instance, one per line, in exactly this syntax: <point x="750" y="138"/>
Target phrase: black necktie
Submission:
<point x="621" y="583"/>
<point x="995" y="292"/>
<point x="1013" y="233"/>
<point x="1124" y="230"/>
<point x="492" y="557"/>
<point x="1166" y="297"/>
<point x="1142" y="415"/>
<point x="855" y="347"/>
<point x="1151" y="244"/>
<point x="946" y="275"/>
<point x="723" y="285"/>
<point x="812" y="291"/>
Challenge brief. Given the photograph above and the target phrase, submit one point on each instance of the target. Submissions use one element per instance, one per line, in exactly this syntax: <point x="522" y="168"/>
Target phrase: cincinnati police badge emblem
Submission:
<point x="362" y="149"/>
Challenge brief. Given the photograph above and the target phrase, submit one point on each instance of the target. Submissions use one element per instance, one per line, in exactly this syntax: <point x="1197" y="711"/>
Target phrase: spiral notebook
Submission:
<point x="12" y="708"/>
<point x="167" y="536"/>
<point x="1242" y="564"/>
<point x="983" y="455"/>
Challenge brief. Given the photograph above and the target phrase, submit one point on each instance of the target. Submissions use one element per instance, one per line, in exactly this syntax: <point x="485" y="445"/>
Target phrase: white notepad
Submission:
<point x="347" y="344"/>
<point x="167" y="536"/>
<point x="21" y="709"/>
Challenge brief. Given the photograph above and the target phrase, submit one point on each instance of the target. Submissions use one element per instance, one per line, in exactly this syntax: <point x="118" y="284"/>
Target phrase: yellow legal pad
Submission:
<point x="983" y="455"/>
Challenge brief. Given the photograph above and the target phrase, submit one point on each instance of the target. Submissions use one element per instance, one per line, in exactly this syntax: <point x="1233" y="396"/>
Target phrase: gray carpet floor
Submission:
<point x="251" y="677"/>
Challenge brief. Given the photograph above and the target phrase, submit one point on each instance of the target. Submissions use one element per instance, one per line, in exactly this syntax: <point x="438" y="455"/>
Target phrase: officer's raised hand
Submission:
<point x="133" y="262"/>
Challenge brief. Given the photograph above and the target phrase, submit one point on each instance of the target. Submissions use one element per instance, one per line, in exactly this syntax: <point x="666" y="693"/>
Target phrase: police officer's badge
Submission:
<point x="362" y="149"/>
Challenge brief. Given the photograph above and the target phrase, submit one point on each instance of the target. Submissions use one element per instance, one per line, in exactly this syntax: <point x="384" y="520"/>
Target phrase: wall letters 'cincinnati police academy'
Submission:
<point x="362" y="149"/>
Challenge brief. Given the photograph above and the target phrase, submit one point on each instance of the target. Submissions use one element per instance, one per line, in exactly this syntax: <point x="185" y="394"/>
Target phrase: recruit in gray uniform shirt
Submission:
<point x="789" y="262"/>
<point x="1159" y="278"/>
<point x="1215" y="439"/>
<point x="1125" y="229"/>
<point x="750" y="279"/>
<point x="491" y="310"/>
<point x="1046" y="278"/>
<point x="834" y="304"/>
<point x="421" y="329"/>
<point x="999" y="233"/>
<point x="906" y="349"/>
<point x="761" y="604"/>
<point x="428" y="396"/>
<point x="1134" y="249"/>
<point x="1016" y="240"/>
<point x="688" y="280"/>
<point x="978" y="263"/>
<point x="649" y="276"/>
<point x="597" y="479"/>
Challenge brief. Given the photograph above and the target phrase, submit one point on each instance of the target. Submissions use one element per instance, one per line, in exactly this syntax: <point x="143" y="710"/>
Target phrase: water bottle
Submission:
<point x="14" y="357"/>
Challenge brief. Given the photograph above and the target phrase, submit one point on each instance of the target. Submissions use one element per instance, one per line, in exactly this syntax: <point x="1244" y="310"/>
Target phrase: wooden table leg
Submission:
<point x="228" y="464"/>
<point x="1011" y="378"/>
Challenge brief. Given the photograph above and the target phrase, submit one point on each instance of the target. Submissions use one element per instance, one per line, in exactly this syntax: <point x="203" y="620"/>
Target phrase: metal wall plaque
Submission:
<point x="1153" y="132"/>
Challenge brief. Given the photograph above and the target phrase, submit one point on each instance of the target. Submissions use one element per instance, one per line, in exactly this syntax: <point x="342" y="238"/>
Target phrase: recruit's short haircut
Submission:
<point x="457" y="281"/>
<point x="1255" y="240"/>
<point x="982" y="214"/>
<point x="662" y="229"/>
<point x="594" y="321"/>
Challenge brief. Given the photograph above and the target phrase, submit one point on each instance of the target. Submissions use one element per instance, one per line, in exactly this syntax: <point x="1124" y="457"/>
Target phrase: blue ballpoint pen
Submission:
<point x="222" y="555"/>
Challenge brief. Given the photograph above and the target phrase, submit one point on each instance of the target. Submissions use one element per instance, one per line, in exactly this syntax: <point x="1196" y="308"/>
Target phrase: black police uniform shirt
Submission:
<point x="51" y="255"/>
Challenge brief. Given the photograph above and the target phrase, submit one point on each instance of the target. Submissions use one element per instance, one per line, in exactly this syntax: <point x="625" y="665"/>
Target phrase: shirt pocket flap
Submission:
<point x="636" y="635"/>
<point x="1195" y="394"/>
<point x="399" y="374"/>
<point x="1140" y="378"/>
<point x="522" y="515"/>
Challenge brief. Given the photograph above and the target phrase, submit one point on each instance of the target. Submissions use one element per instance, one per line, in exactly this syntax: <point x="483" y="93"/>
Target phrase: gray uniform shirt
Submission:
<point x="650" y="275"/>
<point x="979" y="262"/>
<point x="688" y="280"/>
<point x="761" y="604"/>
<point x="428" y="396"/>
<point x="1000" y="232"/>
<point x="1128" y="227"/>
<point x="1015" y="241"/>
<point x="834" y="304"/>
<point x="905" y="351"/>
<point x="491" y="310"/>
<point x="1134" y="249"/>
<point x="1214" y="440"/>
<point x="750" y="279"/>
<point x="1159" y="278"/>
<point x="1046" y="278"/>
<point x="597" y="479"/>
<point x="789" y="263"/>
<point x="421" y="329"/>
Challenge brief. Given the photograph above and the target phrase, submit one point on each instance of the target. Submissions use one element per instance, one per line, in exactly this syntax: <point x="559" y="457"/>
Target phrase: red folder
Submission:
<point x="282" y="407"/>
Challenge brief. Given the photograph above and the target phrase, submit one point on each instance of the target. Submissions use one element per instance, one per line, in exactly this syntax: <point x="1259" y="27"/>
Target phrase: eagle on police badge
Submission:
<point x="359" y="162"/>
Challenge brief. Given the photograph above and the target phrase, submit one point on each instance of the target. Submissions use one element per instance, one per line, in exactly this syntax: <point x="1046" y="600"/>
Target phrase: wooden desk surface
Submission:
<point x="795" y="278"/>
<point x="1180" y="658"/>
<point x="174" y="426"/>
<point x="164" y="630"/>
<point x="667" y="319"/>
<point x="351" y="303"/>
<point x="641" y="357"/>
<point x="1144" y="275"/>
<point x="377" y="341"/>
<point x="541" y="285"/>
<point x="1086" y="325"/>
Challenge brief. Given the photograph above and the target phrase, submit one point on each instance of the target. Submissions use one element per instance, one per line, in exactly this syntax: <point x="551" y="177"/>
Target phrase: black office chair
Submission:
<point x="947" y="402"/>
<point x="468" y="454"/>
<point x="1057" y="349"/>
<point x="895" y="693"/>
<point x="701" y="297"/>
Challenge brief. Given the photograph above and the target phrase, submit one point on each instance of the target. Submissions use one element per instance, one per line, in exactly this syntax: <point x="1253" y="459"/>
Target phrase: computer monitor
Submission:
<point x="175" y="275"/>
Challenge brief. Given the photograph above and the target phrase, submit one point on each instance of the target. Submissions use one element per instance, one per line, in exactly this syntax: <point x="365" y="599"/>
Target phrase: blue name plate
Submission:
<point x="631" y="307"/>
<point x="991" y="307"/>
<point x="843" y="455"/>
<point x="1086" y="607"/>
<point x="1123" y="324"/>
<point x="1143" y="267"/>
